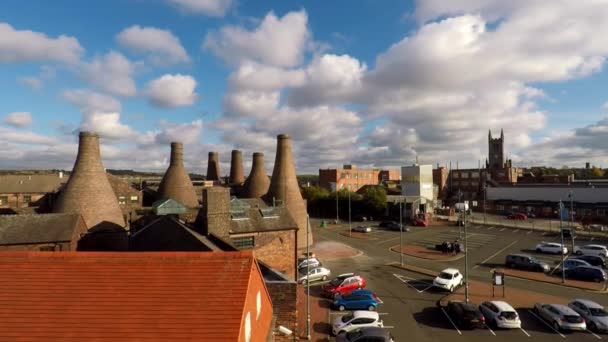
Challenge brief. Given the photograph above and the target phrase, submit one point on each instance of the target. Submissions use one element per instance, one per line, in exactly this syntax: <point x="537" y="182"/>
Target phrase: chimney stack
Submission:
<point x="237" y="175"/>
<point x="258" y="182"/>
<point x="213" y="167"/>
<point x="176" y="184"/>
<point x="88" y="190"/>
<point x="285" y="190"/>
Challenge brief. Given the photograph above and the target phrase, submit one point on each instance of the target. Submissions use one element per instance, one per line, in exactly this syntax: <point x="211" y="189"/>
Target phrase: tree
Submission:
<point x="597" y="172"/>
<point x="314" y="193"/>
<point x="374" y="198"/>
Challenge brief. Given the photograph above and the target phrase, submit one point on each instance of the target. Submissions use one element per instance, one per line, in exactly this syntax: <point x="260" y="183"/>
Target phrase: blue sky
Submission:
<point x="362" y="82"/>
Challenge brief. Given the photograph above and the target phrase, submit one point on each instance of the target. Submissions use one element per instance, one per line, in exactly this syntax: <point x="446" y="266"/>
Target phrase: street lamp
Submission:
<point x="561" y="233"/>
<point x="307" y="280"/>
<point x="571" y="196"/>
<point x="350" y="228"/>
<point x="485" y="189"/>
<point x="466" y="257"/>
<point x="401" y="230"/>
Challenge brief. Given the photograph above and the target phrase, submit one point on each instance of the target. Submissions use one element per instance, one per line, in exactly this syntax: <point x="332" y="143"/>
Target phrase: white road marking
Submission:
<point x="379" y="300"/>
<point x="516" y="230"/>
<point x="529" y="232"/>
<point x="407" y="282"/>
<point x="547" y="324"/>
<point x="495" y="254"/>
<point x="448" y="316"/>
<point x="388" y="326"/>
<point x="525" y="332"/>
<point x="591" y="239"/>
<point x="501" y="229"/>
<point x="385" y="241"/>
<point x="490" y="228"/>
<point x="382" y="313"/>
<point x="592" y="333"/>
<point x="492" y="331"/>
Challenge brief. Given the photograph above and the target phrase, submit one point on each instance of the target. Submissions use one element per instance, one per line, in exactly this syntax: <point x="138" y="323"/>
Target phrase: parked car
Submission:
<point x="572" y="263"/>
<point x="310" y="262"/>
<point x="517" y="216"/>
<point x="387" y="223"/>
<point x="362" y="229"/>
<point x="308" y="255"/>
<point x="593" y="260"/>
<point x="357" y="300"/>
<point x="530" y="215"/>
<point x="505" y="212"/>
<point x="551" y="247"/>
<point x="561" y="317"/>
<point x="568" y="232"/>
<point x="448" y="279"/>
<point x="586" y="273"/>
<point x="595" y="315"/>
<point x="500" y="314"/>
<point x="526" y="262"/>
<point x="465" y="315"/>
<point x="343" y="284"/>
<point x="317" y="273"/>
<point x="396" y="226"/>
<point x="420" y="223"/>
<point x="355" y="320"/>
<point x="598" y="250"/>
<point x="596" y="228"/>
<point x="366" y="334"/>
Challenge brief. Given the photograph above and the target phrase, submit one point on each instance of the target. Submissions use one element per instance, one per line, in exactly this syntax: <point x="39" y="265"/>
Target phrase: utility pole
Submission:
<point x="561" y="233"/>
<point x="401" y="230"/>
<point x="571" y="195"/>
<point x="466" y="257"/>
<point x="307" y="280"/>
<point x="485" y="189"/>
<point x="350" y="228"/>
<point x="337" y="205"/>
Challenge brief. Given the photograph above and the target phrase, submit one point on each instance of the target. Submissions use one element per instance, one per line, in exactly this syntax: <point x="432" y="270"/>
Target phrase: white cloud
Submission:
<point x="28" y="46"/>
<point x="261" y="77"/>
<point x="110" y="73"/>
<point x="164" y="47"/>
<point x="172" y="91"/>
<point x="605" y="106"/>
<point x="89" y="101"/>
<point x="276" y="41"/>
<point x="34" y="83"/>
<point x="212" y="8"/>
<point x="18" y="119"/>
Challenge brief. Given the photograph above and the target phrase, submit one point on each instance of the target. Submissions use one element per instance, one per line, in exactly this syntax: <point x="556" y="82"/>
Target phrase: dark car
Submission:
<point x="397" y="227"/>
<point x="568" y="232"/>
<point x="366" y="334"/>
<point x="465" y="315"/>
<point x="526" y="262"/>
<point x="387" y="223"/>
<point x="593" y="260"/>
<point x="587" y="273"/>
<point x="505" y="212"/>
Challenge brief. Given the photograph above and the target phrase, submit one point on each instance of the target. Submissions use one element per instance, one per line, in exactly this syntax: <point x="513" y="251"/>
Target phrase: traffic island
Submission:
<point x="553" y="279"/>
<point x="426" y="253"/>
<point x="332" y="250"/>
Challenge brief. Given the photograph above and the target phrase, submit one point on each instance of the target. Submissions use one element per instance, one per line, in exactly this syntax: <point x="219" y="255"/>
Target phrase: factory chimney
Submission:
<point x="237" y="175"/>
<point x="176" y="184"/>
<point x="284" y="189"/>
<point x="213" y="167"/>
<point x="258" y="182"/>
<point x="88" y="190"/>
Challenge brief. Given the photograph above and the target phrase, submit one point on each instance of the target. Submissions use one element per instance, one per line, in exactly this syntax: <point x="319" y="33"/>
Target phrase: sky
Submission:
<point x="372" y="83"/>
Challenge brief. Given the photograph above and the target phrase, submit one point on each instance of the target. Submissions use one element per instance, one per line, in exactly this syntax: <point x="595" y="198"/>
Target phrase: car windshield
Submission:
<point x="336" y="281"/>
<point x="508" y="314"/>
<point x="351" y="336"/>
<point x="598" y="312"/>
<point x="347" y="318"/>
<point x="444" y="275"/>
<point x="573" y="319"/>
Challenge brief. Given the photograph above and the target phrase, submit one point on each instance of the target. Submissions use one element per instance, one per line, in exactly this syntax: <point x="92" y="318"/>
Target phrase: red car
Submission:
<point x="420" y="223"/>
<point x="343" y="284"/>
<point x="518" y="216"/>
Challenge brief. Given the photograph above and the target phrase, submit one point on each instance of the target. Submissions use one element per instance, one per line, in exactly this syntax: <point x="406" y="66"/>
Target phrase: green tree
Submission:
<point x="597" y="172"/>
<point x="314" y="193"/>
<point x="374" y="198"/>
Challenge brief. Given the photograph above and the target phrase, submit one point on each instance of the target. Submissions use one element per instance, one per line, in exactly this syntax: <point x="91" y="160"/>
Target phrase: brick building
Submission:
<point x="43" y="232"/>
<point x="37" y="190"/>
<point x="218" y="296"/>
<point x="351" y="178"/>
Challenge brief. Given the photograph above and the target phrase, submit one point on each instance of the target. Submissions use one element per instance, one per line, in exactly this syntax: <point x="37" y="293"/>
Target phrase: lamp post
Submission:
<point x="466" y="256"/>
<point x="485" y="189"/>
<point x="307" y="282"/>
<point x="561" y="233"/>
<point x="401" y="231"/>
<point x="571" y="196"/>
<point x="350" y="228"/>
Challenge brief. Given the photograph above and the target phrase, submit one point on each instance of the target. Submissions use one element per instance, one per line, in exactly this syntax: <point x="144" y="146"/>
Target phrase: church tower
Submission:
<point x="496" y="149"/>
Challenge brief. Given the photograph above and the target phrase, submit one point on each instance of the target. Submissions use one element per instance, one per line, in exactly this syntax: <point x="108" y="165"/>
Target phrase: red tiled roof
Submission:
<point x="77" y="296"/>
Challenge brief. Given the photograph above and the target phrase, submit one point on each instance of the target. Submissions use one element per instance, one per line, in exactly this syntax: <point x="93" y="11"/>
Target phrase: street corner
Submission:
<point x="333" y="250"/>
<point x="427" y="253"/>
<point x="554" y="279"/>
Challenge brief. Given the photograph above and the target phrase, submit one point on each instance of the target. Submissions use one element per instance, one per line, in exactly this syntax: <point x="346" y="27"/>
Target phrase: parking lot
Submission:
<point x="410" y="302"/>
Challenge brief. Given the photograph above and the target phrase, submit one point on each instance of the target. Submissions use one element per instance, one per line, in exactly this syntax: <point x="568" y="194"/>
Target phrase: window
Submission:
<point x="122" y="200"/>
<point x="475" y="174"/>
<point x="134" y="199"/>
<point x="3" y="200"/>
<point x="27" y="198"/>
<point x="464" y="175"/>
<point x="600" y="212"/>
<point x="243" y="242"/>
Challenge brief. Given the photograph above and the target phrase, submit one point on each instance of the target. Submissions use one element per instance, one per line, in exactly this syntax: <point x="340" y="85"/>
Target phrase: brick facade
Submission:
<point x="276" y="249"/>
<point x="284" y="302"/>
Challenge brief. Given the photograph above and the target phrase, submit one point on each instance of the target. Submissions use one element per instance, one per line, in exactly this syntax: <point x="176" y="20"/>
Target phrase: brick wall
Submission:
<point x="284" y="305"/>
<point x="58" y="246"/>
<point x="18" y="200"/>
<point x="277" y="250"/>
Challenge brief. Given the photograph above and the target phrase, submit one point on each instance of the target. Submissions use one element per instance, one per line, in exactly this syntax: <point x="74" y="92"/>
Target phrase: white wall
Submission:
<point x="417" y="180"/>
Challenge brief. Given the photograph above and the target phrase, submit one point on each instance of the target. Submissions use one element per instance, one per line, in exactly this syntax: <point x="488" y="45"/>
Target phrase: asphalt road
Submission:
<point x="409" y="303"/>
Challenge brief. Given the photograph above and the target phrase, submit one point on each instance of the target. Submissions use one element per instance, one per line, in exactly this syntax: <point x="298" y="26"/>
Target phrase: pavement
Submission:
<point x="425" y="253"/>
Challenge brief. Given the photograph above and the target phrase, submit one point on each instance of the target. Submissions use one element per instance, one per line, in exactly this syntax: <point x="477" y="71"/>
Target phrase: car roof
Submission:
<point x="593" y="245"/>
<point x="346" y="275"/>
<point x="502" y="305"/>
<point x="564" y="309"/>
<point x="366" y="314"/>
<point x="374" y="331"/>
<point x="520" y="255"/>
<point x="362" y="291"/>
<point x="549" y="243"/>
<point x="589" y="303"/>
<point x="451" y="270"/>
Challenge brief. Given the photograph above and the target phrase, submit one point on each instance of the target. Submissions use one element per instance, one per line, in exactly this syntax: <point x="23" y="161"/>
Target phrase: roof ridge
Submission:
<point x="128" y="255"/>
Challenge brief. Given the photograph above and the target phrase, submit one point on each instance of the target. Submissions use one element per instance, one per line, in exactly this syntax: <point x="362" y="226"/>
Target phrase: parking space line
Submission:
<point x="516" y="230"/>
<point x="501" y="229"/>
<point x="545" y="323"/>
<point x="495" y="254"/>
<point x="379" y="300"/>
<point x="448" y="316"/>
<point x="592" y="333"/>
<point x="529" y="232"/>
<point x="407" y="282"/>
<point x="490" y="228"/>
<point x="525" y="332"/>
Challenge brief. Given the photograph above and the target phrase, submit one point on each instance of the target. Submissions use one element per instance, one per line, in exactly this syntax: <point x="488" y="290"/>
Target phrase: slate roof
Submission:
<point x="168" y="234"/>
<point x="31" y="229"/>
<point x="254" y="215"/>
<point x="79" y="296"/>
<point x="37" y="184"/>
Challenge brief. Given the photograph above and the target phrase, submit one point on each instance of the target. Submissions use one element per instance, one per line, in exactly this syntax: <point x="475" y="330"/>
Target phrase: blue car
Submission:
<point x="357" y="300"/>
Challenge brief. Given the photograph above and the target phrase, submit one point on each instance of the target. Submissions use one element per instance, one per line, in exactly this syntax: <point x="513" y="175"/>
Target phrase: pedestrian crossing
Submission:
<point x="474" y="240"/>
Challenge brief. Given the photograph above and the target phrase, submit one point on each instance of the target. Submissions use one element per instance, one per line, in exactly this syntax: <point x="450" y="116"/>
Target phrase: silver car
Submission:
<point x="593" y="313"/>
<point x="561" y="317"/>
<point x="317" y="273"/>
<point x="362" y="229"/>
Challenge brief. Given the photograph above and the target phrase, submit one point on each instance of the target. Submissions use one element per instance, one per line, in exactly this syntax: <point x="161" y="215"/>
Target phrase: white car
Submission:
<point x="551" y="247"/>
<point x="500" y="314"/>
<point x="317" y="273"/>
<point x="355" y="320"/>
<point x="596" y="227"/>
<point x="594" y="314"/>
<point x="597" y="250"/>
<point x="310" y="262"/>
<point x="448" y="279"/>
